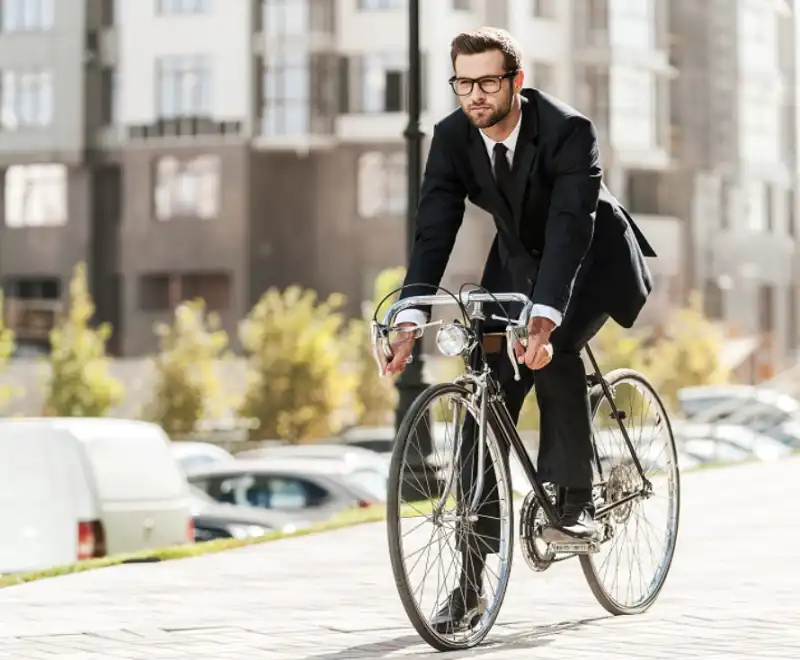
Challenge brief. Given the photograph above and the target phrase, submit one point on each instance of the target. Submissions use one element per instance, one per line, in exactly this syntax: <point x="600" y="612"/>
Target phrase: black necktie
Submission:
<point x="502" y="170"/>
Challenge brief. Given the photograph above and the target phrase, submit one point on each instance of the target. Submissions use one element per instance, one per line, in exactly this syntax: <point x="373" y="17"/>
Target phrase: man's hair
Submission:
<point x="485" y="39"/>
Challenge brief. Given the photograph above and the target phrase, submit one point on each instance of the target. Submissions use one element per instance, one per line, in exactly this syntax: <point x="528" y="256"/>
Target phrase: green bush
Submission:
<point x="6" y="346"/>
<point x="79" y="384"/>
<point x="186" y="383"/>
<point x="296" y="350"/>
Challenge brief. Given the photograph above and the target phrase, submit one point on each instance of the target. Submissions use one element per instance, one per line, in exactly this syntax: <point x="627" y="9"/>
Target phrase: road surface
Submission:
<point x="733" y="592"/>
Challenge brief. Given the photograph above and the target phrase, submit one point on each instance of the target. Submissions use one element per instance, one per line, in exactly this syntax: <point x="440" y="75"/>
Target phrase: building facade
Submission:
<point x="190" y="148"/>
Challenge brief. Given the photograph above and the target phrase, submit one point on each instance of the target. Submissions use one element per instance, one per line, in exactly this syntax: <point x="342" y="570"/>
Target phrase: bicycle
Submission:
<point x="621" y="484"/>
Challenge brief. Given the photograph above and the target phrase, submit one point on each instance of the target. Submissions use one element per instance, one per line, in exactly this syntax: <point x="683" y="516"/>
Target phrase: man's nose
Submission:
<point x="477" y="96"/>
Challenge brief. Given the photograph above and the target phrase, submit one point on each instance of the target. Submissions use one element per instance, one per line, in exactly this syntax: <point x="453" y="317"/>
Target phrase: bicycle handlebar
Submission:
<point x="465" y="298"/>
<point x="516" y="329"/>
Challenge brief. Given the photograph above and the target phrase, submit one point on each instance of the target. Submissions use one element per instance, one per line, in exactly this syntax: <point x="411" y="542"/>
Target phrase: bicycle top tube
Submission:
<point x="466" y="298"/>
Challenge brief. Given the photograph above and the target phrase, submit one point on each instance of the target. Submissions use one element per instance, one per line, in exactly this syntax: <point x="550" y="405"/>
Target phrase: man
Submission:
<point x="533" y="163"/>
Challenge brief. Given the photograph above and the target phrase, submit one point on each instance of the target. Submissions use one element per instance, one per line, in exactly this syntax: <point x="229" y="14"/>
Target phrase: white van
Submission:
<point x="75" y="488"/>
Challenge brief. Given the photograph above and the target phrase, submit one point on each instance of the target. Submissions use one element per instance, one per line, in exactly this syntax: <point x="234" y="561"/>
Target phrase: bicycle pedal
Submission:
<point x="575" y="547"/>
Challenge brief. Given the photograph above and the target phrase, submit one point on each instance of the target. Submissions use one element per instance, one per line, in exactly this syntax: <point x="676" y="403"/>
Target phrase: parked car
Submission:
<point x="213" y="520"/>
<point x="78" y="488"/>
<point x="723" y="436"/>
<point x="314" y="490"/>
<point x="362" y="467"/>
<point x="193" y="454"/>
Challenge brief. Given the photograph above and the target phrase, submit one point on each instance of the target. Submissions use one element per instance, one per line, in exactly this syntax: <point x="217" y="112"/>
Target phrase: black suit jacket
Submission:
<point x="559" y="218"/>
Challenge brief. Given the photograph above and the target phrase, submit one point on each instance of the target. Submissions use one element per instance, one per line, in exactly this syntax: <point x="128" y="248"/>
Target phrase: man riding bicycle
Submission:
<point x="533" y="163"/>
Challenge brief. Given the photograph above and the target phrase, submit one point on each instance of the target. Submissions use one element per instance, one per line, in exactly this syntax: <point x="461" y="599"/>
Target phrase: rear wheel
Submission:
<point x="643" y="530"/>
<point x="423" y="539"/>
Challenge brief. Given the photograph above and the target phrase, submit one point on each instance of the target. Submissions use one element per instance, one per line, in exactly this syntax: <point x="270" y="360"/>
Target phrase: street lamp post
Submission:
<point x="411" y="382"/>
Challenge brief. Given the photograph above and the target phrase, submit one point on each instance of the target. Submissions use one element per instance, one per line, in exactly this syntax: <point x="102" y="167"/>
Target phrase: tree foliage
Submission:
<point x="375" y="396"/>
<point x="297" y="381"/>
<point x="7" y="344"/>
<point x="79" y="384"/>
<point x="186" y="383"/>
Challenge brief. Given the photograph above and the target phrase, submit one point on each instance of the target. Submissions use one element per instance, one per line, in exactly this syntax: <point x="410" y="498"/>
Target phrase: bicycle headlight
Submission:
<point x="452" y="339"/>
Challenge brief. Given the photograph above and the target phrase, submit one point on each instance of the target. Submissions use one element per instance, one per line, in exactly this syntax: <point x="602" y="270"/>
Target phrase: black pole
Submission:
<point x="411" y="382"/>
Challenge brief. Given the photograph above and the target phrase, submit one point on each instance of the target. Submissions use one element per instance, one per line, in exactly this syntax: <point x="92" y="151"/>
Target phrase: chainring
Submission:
<point x="532" y="520"/>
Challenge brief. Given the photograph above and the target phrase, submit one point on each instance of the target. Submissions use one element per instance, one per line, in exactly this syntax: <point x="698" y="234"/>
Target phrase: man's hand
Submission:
<point x="539" y="351"/>
<point x="401" y="349"/>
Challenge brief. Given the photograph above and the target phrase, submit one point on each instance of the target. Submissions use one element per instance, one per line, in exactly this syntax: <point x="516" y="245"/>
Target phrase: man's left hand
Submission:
<point x="539" y="351"/>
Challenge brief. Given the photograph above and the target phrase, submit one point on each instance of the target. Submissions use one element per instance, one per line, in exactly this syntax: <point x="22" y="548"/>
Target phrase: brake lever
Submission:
<point x="515" y="334"/>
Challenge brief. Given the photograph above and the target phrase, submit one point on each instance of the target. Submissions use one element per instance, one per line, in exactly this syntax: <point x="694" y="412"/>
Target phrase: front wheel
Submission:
<point x="640" y="530"/>
<point x="429" y="545"/>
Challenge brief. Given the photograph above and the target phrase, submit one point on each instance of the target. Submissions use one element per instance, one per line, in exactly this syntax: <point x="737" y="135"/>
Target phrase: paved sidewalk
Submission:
<point x="733" y="592"/>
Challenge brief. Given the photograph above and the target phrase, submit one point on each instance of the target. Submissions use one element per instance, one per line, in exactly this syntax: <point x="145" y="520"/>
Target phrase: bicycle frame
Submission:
<point x="495" y="405"/>
<point x="490" y="402"/>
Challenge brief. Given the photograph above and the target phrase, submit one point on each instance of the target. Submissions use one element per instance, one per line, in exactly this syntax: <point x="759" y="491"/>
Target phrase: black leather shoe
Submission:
<point x="463" y="609"/>
<point x="576" y="523"/>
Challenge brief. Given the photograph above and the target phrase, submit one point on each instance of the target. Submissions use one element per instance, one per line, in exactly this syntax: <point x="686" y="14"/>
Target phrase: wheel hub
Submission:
<point x="620" y="484"/>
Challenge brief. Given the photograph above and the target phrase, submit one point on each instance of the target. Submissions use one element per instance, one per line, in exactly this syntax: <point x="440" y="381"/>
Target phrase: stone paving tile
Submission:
<point x="732" y="593"/>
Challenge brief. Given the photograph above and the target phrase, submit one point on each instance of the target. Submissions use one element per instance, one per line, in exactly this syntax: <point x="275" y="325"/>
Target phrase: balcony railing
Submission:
<point x="184" y="127"/>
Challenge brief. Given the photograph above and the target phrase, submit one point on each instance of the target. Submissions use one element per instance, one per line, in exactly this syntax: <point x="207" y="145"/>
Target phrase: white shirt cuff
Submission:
<point x="548" y="312"/>
<point x="414" y="316"/>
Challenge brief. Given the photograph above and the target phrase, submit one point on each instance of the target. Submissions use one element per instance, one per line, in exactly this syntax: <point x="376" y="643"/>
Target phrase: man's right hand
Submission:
<point x="401" y="349"/>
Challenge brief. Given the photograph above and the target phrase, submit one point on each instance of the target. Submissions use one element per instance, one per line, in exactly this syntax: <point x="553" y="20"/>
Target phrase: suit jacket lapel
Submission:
<point x="524" y="157"/>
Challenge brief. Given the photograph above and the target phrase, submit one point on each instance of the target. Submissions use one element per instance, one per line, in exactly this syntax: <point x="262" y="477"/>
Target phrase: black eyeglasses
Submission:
<point x="488" y="84"/>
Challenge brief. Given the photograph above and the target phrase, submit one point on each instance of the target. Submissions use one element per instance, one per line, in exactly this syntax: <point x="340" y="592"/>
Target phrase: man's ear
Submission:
<point x="519" y="79"/>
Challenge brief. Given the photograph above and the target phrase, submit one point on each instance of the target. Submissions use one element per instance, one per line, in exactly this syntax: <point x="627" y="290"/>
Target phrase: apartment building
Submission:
<point x="202" y="147"/>
<point x="736" y="177"/>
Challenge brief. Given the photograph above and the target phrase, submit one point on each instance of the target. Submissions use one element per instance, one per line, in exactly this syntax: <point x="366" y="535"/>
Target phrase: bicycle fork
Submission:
<point x="481" y="396"/>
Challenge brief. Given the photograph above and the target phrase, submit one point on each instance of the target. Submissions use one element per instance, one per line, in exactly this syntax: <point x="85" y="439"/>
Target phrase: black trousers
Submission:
<point x="565" y="433"/>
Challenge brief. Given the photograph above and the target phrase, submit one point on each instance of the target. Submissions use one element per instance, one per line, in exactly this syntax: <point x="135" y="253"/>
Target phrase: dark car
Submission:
<point x="213" y="520"/>
<point x="312" y="490"/>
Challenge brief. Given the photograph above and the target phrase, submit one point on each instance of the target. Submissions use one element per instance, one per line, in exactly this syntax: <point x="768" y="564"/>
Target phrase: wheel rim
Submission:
<point x="642" y="532"/>
<point x="430" y="560"/>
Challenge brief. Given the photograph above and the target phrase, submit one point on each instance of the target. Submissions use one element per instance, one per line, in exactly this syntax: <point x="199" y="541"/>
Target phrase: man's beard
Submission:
<point x="495" y="118"/>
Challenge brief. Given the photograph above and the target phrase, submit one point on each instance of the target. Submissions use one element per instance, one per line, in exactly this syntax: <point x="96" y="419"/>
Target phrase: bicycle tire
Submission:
<point x="393" y="517"/>
<point x="596" y="396"/>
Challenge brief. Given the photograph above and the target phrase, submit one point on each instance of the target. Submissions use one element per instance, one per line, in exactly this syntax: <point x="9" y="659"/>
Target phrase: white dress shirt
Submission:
<point x="418" y="317"/>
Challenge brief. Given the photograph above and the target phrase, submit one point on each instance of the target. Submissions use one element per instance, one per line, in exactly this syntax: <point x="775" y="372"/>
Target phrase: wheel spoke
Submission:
<point x="629" y="571"/>
<point x="428" y="549"/>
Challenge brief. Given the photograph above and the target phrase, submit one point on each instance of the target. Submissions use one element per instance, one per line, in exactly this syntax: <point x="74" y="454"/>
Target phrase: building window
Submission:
<point x="109" y="96"/>
<point x="381" y="4"/>
<point x="382" y="82"/>
<point x="188" y="188"/>
<point x="382" y="184"/>
<point x="544" y="8"/>
<point x="165" y="291"/>
<point x="287" y="91"/>
<point x="544" y="76"/>
<point x="766" y="308"/>
<point x="285" y="17"/>
<point x="35" y="195"/>
<point x="791" y="223"/>
<point x="22" y="15"/>
<point x="756" y="207"/>
<point x="633" y="24"/>
<point x="185" y="86"/>
<point x="293" y="18"/>
<point x="792" y="331"/>
<point x="168" y="7"/>
<point x="462" y="5"/>
<point x="27" y="99"/>
<point x="594" y="89"/>
<point x="633" y="115"/>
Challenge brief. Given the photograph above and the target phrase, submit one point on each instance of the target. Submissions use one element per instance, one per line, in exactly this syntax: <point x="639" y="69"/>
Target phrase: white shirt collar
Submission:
<point x="510" y="142"/>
